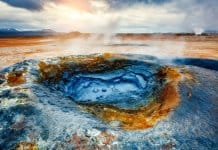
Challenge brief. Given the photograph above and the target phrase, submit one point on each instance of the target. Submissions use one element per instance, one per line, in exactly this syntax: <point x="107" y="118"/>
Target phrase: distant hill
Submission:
<point x="211" y="31"/>
<point x="11" y="32"/>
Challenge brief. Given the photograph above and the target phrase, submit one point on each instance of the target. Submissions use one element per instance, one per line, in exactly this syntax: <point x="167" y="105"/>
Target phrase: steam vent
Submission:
<point x="108" y="101"/>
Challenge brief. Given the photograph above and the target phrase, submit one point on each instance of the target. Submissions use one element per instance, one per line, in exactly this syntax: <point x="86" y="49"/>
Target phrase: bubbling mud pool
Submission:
<point x="126" y="87"/>
<point x="130" y="94"/>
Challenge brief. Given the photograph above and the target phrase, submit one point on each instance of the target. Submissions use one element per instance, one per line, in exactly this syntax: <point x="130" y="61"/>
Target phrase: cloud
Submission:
<point x="27" y="4"/>
<point x="199" y="14"/>
<point x="118" y="4"/>
<point x="104" y="16"/>
<point x="81" y="5"/>
<point x="38" y="5"/>
<point x="169" y="15"/>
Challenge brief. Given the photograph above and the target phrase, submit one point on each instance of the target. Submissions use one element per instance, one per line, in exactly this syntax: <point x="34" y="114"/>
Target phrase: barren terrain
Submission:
<point x="13" y="50"/>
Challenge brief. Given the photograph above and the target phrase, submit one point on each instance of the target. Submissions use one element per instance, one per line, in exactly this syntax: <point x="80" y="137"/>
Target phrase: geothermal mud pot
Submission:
<point x="109" y="102"/>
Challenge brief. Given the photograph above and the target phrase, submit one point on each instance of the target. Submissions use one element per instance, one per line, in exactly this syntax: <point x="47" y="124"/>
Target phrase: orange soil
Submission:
<point x="13" y="50"/>
<point x="16" y="78"/>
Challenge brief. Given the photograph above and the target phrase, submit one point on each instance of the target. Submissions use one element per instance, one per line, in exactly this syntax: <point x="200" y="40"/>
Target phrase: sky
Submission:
<point x="110" y="16"/>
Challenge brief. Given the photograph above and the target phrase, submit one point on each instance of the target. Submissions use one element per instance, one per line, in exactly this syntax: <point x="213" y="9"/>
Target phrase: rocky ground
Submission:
<point x="87" y="102"/>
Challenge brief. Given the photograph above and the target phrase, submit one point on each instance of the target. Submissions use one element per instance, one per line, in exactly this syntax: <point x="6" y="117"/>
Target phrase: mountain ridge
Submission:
<point x="11" y="32"/>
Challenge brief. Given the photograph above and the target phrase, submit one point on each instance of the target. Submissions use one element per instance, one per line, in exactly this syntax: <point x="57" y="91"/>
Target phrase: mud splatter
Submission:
<point x="16" y="78"/>
<point x="26" y="146"/>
